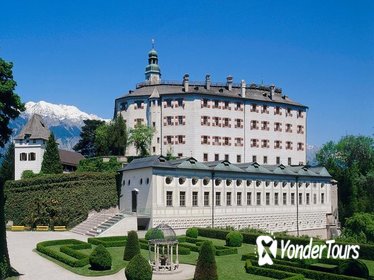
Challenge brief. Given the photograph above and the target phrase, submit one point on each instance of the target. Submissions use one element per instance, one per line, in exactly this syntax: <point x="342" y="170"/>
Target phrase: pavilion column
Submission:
<point x="177" y="260"/>
<point x="171" y="258"/>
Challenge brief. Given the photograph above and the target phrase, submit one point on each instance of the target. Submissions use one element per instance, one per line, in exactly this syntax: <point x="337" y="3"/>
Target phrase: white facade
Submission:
<point x="28" y="155"/>
<point x="274" y="198"/>
<point x="210" y="122"/>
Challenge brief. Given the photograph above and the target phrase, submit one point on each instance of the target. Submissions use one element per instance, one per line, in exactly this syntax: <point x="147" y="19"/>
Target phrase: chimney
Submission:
<point x="272" y="91"/>
<point x="186" y="81"/>
<point x="229" y="82"/>
<point x="207" y="82"/>
<point x="243" y="85"/>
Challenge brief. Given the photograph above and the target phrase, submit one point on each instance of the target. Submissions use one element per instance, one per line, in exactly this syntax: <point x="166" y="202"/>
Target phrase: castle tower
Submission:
<point x="29" y="146"/>
<point x="152" y="70"/>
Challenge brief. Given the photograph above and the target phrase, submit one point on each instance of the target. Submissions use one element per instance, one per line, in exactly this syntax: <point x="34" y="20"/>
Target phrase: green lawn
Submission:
<point x="230" y="267"/>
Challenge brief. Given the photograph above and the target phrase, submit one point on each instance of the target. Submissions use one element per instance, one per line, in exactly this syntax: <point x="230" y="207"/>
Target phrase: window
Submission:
<point x="254" y="143"/>
<point x="300" y="129"/>
<point x="226" y="105"/>
<point x="265" y="110"/>
<point x="216" y="141"/>
<point x="181" y="139"/>
<point x="218" y="199"/>
<point x="226" y="141"/>
<point x="205" y="103"/>
<point x="216" y="104"/>
<point x="238" y="158"/>
<point x="249" y="198"/>
<point x="265" y="159"/>
<point x="277" y="126"/>
<point x="289" y="161"/>
<point x="239" y="198"/>
<point x="206" y="198"/>
<point x="168" y="103"/>
<point x="307" y="199"/>
<point x="278" y="144"/>
<point x="169" y="120"/>
<point x="322" y="198"/>
<point x="182" y="199"/>
<point x="300" y="146"/>
<point x="32" y="156"/>
<point x="168" y="139"/>
<point x="254" y="158"/>
<point x="276" y="198"/>
<point x="154" y="124"/>
<point x="258" y="198"/>
<point x="238" y="106"/>
<point x="169" y="198"/>
<point x="228" y="199"/>
<point x="205" y="157"/>
<point x="292" y="199"/>
<point x="300" y="114"/>
<point x="226" y="122"/>
<point x="300" y="198"/>
<point x="277" y="111"/>
<point x="238" y="123"/>
<point x="180" y="102"/>
<point x="278" y="160"/>
<point x="153" y="149"/>
<point x="180" y="120"/>
<point x="254" y="125"/>
<point x="264" y="125"/>
<point x="194" y="198"/>
<point x="267" y="198"/>
<point x="288" y="112"/>
<point x="204" y="139"/>
<point x="227" y="157"/>
<point x="288" y="127"/>
<point x="254" y="108"/>
<point x="216" y="121"/>
<point x="23" y="157"/>
<point x="284" y="199"/>
<point x="314" y="199"/>
<point x="204" y="120"/>
<point x="158" y="140"/>
<point x="216" y="157"/>
<point x="265" y="143"/>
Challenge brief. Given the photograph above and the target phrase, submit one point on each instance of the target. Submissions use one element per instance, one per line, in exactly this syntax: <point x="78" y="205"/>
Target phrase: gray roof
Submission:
<point x="226" y="166"/>
<point x="69" y="157"/>
<point x="253" y="92"/>
<point x="34" y="129"/>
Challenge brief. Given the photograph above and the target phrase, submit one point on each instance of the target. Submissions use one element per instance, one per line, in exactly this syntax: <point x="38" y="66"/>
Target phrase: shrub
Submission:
<point x="154" y="233"/>
<point x="132" y="246"/>
<point x="112" y="241"/>
<point x="353" y="268"/>
<point x="206" y="268"/>
<point x="234" y="239"/>
<point x="138" y="269"/>
<point x="100" y="258"/>
<point x="192" y="232"/>
<point x="27" y="174"/>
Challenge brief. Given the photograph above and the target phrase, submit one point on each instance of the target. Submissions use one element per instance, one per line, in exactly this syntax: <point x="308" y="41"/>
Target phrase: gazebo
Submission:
<point x="164" y="244"/>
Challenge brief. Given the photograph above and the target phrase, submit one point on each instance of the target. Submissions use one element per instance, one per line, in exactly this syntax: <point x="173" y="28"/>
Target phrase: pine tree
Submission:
<point x="118" y="136"/>
<point x="206" y="267"/>
<point x="51" y="159"/>
<point x="86" y="144"/>
<point x="11" y="106"/>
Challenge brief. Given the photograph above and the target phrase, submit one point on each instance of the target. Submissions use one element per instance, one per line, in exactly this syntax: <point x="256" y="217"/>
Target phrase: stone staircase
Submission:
<point x="97" y="223"/>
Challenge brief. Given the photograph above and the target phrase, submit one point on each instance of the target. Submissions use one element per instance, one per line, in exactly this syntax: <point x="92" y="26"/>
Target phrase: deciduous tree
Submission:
<point x="10" y="108"/>
<point x="141" y="136"/>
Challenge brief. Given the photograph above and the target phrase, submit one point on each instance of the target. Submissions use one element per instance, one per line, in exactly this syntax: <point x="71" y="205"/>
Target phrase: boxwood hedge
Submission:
<point x="72" y="196"/>
<point x="111" y="241"/>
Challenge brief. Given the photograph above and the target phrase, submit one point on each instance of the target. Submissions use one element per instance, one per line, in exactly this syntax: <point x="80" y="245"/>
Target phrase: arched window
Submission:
<point x="168" y="180"/>
<point x="238" y="182"/>
<point x="181" y="180"/>
<point x="23" y="157"/>
<point x="206" y="181"/>
<point x="32" y="156"/>
<point x="194" y="181"/>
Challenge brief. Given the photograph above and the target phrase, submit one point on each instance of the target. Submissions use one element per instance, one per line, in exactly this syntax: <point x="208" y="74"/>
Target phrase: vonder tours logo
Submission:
<point x="267" y="250"/>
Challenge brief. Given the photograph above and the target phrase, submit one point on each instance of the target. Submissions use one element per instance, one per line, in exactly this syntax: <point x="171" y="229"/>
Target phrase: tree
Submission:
<point x="100" y="258"/>
<point x="10" y="108"/>
<point x="102" y="141"/>
<point x="118" y="136"/>
<point x="51" y="160"/>
<point x="141" y="136"/>
<point x="350" y="161"/>
<point x="7" y="165"/>
<point x="206" y="267"/>
<point x="132" y="246"/>
<point x="86" y="144"/>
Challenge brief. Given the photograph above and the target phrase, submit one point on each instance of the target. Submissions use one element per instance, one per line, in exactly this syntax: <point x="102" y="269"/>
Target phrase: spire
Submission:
<point x="152" y="71"/>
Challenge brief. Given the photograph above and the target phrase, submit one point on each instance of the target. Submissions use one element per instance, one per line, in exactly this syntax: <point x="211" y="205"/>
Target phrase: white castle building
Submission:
<point x="184" y="193"/>
<point x="216" y="121"/>
<point x="29" y="148"/>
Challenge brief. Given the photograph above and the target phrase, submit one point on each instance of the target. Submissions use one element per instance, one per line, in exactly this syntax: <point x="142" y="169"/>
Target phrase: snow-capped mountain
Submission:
<point x="311" y="152"/>
<point x="65" y="121"/>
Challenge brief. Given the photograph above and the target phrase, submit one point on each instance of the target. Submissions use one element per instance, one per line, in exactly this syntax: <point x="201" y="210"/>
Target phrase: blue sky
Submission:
<point x="87" y="53"/>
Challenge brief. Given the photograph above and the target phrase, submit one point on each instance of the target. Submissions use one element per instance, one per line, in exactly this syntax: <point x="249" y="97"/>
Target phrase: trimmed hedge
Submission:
<point x="73" y="252"/>
<point x="234" y="239"/>
<point x="61" y="256"/>
<point x="112" y="241"/>
<point x="219" y="250"/>
<point x="138" y="269"/>
<point x="271" y="273"/>
<point x="192" y="232"/>
<point x="64" y="193"/>
<point x="132" y="246"/>
<point x="100" y="258"/>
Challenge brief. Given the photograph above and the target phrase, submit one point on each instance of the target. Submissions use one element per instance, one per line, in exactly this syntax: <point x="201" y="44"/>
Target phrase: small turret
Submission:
<point x="152" y="70"/>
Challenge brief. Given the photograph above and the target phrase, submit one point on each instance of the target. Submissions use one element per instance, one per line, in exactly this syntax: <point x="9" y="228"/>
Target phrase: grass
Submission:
<point x="229" y="267"/>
